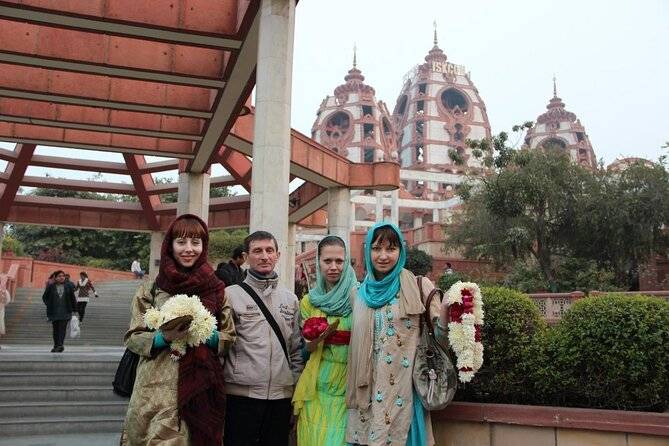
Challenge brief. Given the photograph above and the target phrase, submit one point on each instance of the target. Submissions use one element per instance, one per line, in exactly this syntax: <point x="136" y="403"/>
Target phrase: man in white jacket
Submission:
<point x="262" y="367"/>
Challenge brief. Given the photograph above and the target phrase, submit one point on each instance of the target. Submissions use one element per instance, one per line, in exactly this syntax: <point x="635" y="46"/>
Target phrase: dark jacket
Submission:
<point x="51" y="300"/>
<point x="230" y="273"/>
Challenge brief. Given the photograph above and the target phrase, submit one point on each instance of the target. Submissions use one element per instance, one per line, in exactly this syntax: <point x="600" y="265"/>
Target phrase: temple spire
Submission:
<point x="554" y="86"/>
<point x="435" y="32"/>
<point x="355" y="56"/>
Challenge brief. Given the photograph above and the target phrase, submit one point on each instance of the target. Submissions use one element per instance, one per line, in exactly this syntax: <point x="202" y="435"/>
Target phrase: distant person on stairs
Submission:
<point x="136" y="269"/>
<point x="60" y="304"/>
<point x="179" y="403"/>
<point x="84" y="287"/>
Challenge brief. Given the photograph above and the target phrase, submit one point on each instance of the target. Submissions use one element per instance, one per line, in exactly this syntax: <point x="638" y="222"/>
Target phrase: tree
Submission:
<point x="418" y="262"/>
<point x="538" y="204"/>
<point x="526" y="208"/>
<point x="622" y="220"/>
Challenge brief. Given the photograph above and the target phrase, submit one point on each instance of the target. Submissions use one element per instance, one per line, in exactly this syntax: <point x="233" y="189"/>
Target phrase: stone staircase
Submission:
<point x="47" y="393"/>
<point x="43" y="393"/>
<point x="106" y="320"/>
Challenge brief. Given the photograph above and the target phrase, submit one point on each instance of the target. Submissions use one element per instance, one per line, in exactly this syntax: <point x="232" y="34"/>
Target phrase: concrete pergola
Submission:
<point x="171" y="79"/>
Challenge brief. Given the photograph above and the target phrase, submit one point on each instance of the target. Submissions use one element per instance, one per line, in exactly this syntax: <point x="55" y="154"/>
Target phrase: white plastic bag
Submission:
<point x="75" y="331"/>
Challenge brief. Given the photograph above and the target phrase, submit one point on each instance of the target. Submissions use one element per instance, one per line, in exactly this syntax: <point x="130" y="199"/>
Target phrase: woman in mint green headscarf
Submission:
<point x="319" y="395"/>
<point x="384" y="408"/>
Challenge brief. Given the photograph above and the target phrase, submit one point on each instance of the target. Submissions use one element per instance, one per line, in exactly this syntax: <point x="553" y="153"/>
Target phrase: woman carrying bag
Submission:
<point x="385" y="408"/>
<point x="319" y="399"/>
<point x="84" y="287"/>
<point x="179" y="402"/>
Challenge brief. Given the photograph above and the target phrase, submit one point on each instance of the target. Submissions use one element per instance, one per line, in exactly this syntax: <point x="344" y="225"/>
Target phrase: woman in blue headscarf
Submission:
<point x="384" y="408"/>
<point x="326" y="314"/>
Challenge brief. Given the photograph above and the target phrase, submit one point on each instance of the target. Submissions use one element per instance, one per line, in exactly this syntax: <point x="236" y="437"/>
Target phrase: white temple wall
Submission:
<point x="477" y="132"/>
<point x="437" y="131"/>
<point x="432" y="108"/>
<point x="438" y="154"/>
<point x="354" y="154"/>
<point x="478" y="115"/>
<point x="471" y="94"/>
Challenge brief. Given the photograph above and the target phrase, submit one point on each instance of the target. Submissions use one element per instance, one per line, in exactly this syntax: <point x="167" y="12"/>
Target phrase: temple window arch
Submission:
<point x="553" y="143"/>
<point x="337" y="125"/>
<point x="454" y="101"/>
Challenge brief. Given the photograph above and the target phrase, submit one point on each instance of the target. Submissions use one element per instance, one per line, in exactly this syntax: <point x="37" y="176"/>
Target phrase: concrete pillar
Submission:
<point x="154" y="258"/>
<point x="193" y="195"/>
<point x="2" y="239"/>
<point x="394" y="207"/>
<point x="339" y="212"/>
<point x="271" y="137"/>
<point x="417" y="220"/>
<point x="379" y="206"/>
<point x="435" y="216"/>
<point x="289" y="278"/>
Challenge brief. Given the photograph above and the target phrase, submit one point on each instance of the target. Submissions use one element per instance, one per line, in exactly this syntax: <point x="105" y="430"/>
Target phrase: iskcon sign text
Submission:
<point x="447" y="67"/>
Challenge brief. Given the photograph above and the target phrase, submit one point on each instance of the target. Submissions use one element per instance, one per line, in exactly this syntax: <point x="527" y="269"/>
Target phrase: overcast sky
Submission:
<point x="611" y="59"/>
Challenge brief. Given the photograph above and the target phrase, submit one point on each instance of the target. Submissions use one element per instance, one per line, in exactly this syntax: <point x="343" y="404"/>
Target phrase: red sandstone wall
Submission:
<point x="34" y="273"/>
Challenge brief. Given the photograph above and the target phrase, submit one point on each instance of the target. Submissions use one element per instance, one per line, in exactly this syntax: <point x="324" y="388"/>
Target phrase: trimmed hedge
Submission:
<point x="610" y="352"/>
<point x="512" y="324"/>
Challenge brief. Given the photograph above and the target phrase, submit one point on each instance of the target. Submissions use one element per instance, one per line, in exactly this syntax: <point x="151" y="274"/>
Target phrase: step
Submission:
<point x="71" y="408"/>
<point x="34" y="379"/>
<point x="7" y="365"/>
<point x="80" y="424"/>
<point x="59" y="393"/>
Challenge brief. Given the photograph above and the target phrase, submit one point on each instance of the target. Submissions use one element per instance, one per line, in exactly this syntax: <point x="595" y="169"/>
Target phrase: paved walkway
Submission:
<point x="105" y="439"/>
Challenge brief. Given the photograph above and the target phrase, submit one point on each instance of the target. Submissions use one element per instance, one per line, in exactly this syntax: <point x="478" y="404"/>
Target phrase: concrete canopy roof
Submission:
<point x="142" y="78"/>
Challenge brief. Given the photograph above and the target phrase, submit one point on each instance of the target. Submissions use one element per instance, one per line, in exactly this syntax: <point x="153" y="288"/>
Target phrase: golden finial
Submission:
<point x="435" y="32"/>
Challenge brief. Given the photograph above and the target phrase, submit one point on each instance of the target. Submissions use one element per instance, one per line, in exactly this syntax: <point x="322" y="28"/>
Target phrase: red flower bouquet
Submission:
<point x="314" y="327"/>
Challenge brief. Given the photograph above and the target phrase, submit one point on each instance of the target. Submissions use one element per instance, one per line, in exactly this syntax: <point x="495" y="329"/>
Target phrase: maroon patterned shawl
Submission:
<point x="201" y="390"/>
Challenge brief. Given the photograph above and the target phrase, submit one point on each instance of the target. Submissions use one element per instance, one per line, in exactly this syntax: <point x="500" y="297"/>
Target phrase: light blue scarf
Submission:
<point x="377" y="293"/>
<point x="336" y="301"/>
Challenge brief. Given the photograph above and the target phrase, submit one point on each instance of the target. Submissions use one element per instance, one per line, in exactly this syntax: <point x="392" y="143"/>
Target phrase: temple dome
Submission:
<point x="353" y="123"/>
<point x="561" y="129"/>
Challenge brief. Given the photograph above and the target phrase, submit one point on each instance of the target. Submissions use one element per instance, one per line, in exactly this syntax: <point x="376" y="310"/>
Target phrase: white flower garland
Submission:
<point x="199" y="330"/>
<point x="462" y="329"/>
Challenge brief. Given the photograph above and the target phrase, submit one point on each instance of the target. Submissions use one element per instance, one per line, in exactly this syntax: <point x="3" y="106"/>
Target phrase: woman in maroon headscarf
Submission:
<point x="179" y="403"/>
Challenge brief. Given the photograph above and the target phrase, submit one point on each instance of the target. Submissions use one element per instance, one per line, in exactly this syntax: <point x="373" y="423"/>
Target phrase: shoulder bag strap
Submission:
<point x="427" y="302"/>
<point x="268" y="316"/>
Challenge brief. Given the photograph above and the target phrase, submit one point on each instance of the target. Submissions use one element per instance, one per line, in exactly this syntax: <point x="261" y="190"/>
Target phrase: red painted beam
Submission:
<point x="16" y="170"/>
<point x="238" y="165"/>
<point x="142" y="183"/>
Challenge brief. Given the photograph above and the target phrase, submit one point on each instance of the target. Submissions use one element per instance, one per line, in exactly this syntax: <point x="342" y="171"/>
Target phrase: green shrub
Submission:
<point x="526" y="278"/>
<point x="100" y="263"/>
<point x="9" y="243"/>
<point x="223" y="242"/>
<point x="447" y="280"/>
<point x="512" y="323"/>
<point x="418" y="262"/>
<point x="609" y="352"/>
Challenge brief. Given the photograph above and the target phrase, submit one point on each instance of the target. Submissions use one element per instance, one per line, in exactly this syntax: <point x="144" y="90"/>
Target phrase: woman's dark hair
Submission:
<point x="83" y="273"/>
<point x="330" y="240"/>
<point x="55" y="273"/>
<point x="386" y="233"/>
